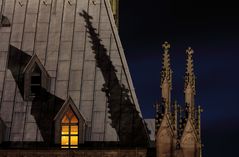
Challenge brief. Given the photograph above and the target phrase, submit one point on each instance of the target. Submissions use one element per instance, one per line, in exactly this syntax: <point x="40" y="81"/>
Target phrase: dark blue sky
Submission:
<point x="212" y="30"/>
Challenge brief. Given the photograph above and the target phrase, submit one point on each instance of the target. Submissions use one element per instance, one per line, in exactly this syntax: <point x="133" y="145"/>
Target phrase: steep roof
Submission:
<point x="78" y="44"/>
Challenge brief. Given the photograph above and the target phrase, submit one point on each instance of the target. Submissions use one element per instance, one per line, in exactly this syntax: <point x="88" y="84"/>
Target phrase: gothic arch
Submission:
<point x="68" y="119"/>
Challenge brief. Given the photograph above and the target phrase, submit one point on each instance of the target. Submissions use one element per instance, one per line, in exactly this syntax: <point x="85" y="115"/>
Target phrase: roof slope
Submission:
<point x="78" y="44"/>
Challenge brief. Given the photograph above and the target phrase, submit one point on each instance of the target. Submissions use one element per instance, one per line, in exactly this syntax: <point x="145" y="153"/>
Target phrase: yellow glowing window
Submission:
<point x="74" y="140"/>
<point x="65" y="140"/>
<point x="69" y="130"/>
<point x="74" y="130"/>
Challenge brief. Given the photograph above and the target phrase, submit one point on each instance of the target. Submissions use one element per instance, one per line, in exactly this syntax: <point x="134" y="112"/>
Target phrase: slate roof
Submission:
<point x="151" y="126"/>
<point x="78" y="44"/>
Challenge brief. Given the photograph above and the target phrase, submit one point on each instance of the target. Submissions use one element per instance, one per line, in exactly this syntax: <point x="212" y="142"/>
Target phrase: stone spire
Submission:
<point x="189" y="86"/>
<point x="166" y="77"/>
<point x="189" y="76"/>
<point x="165" y="135"/>
<point x="166" y="58"/>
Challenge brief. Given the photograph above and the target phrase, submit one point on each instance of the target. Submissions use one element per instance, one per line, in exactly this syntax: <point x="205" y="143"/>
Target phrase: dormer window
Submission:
<point x="69" y="126"/>
<point x="69" y="130"/>
<point x="36" y="79"/>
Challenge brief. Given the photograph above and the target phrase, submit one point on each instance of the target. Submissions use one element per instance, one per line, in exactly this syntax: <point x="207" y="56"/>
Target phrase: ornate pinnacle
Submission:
<point x="166" y="45"/>
<point x="189" y="76"/>
<point x="189" y="52"/>
<point x="166" y="70"/>
<point x="166" y="57"/>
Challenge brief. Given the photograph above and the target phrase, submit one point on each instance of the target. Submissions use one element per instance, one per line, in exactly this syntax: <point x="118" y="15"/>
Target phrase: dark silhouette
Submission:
<point x="44" y="105"/>
<point x="125" y="118"/>
<point x="17" y="61"/>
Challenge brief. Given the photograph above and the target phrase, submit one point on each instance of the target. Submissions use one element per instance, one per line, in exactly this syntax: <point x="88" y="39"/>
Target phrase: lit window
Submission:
<point x="69" y="130"/>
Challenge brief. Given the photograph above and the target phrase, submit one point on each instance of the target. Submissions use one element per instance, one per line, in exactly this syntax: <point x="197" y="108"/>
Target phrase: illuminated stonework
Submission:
<point x="178" y="134"/>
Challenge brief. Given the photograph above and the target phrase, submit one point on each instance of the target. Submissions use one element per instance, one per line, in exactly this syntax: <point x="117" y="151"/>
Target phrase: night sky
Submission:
<point x="211" y="28"/>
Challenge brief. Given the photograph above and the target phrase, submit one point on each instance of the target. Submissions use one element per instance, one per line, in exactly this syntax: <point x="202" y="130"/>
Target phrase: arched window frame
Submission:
<point x="28" y="72"/>
<point x="69" y="130"/>
<point x="69" y="104"/>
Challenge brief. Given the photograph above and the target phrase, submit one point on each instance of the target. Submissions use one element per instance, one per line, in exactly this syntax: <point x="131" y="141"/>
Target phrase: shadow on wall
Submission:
<point x="125" y="118"/>
<point x="45" y="105"/>
<point x="17" y="61"/>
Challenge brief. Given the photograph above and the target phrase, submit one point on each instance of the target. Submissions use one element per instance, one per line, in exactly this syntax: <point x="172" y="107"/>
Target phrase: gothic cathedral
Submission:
<point x="178" y="130"/>
<point x="66" y="88"/>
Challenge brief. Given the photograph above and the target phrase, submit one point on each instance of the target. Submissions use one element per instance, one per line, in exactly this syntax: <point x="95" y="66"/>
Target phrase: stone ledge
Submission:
<point x="74" y="153"/>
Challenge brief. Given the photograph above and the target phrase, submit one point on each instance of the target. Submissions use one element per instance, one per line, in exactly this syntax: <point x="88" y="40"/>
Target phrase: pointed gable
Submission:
<point x="69" y="105"/>
<point x="36" y="78"/>
<point x="189" y="137"/>
<point x="166" y="124"/>
<point x="35" y="61"/>
<point x="165" y="137"/>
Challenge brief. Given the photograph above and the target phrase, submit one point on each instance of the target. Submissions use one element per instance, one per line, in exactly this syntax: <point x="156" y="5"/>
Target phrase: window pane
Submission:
<point x="74" y="130"/>
<point x="65" y="120"/>
<point x="69" y="127"/>
<point x="70" y="113"/>
<point x="64" y="140"/>
<point x="35" y="90"/>
<point x="74" y="140"/>
<point x="36" y="80"/>
<point x="74" y="119"/>
<point x="65" y="130"/>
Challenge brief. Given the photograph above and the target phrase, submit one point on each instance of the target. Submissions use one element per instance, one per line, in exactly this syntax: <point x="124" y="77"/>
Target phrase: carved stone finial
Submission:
<point x="189" y="51"/>
<point x="189" y="68"/>
<point x="166" y="70"/>
<point x="190" y="77"/>
<point x="166" y="45"/>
